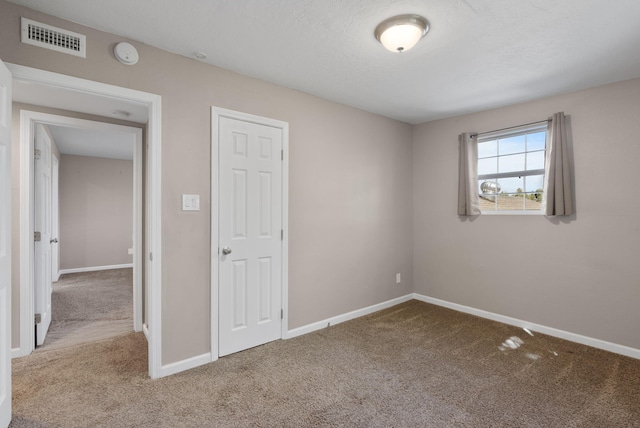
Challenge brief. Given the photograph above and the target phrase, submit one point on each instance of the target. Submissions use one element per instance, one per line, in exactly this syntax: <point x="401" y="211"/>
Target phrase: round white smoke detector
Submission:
<point x="126" y="53"/>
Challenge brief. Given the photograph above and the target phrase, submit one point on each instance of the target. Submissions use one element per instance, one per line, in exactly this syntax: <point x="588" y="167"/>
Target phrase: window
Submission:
<point x="511" y="169"/>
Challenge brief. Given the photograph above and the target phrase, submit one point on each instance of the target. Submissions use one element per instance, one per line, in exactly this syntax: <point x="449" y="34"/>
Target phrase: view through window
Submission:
<point x="511" y="170"/>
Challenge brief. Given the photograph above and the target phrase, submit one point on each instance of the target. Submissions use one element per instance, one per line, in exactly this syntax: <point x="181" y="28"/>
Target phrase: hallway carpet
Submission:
<point x="90" y="306"/>
<point x="412" y="365"/>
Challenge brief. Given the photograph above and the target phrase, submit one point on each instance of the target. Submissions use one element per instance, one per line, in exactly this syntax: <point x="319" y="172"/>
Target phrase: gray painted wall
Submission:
<point x="350" y="213"/>
<point x="96" y="211"/>
<point x="579" y="274"/>
<point x="355" y="219"/>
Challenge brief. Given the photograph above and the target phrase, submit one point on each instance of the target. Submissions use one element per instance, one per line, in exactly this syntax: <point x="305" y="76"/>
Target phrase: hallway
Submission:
<point x="90" y="306"/>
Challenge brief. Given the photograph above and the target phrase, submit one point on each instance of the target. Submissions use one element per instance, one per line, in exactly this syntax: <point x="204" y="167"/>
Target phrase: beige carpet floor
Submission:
<point x="90" y="306"/>
<point x="413" y="365"/>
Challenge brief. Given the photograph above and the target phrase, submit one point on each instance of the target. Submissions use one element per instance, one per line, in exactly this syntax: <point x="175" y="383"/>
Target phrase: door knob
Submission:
<point x="53" y="241"/>
<point x="226" y="251"/>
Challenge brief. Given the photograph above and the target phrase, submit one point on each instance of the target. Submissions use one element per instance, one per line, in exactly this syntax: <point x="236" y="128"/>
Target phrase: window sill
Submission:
<point x="530" y="212"/>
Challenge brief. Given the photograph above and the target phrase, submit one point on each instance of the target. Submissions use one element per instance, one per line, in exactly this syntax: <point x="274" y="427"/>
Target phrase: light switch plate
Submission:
<point x="190" y="202"/>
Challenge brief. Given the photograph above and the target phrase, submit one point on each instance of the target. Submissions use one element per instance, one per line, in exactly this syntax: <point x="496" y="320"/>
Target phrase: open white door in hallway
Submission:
<point x="250" y="235"/>
<point x="42" y="228"/>
<point x="5" y="246"/>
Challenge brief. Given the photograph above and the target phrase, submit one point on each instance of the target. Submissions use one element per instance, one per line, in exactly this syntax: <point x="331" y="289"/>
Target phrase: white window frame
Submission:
<point x="508" y="133"/>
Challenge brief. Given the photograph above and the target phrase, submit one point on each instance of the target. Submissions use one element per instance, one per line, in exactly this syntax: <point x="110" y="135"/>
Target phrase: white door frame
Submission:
<point x="5" y="246"/>
<point x="216" y="114"/>
<point x="28" y="120"/>
<point x="55" y="218"/>
<point x="153" y="253"/>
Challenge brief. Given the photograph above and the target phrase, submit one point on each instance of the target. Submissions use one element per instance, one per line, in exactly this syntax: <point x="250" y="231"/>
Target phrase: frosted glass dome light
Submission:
<point x="401" y="33"/>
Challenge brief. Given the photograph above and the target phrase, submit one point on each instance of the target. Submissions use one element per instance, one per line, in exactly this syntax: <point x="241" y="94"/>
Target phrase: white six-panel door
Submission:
<point x="250" y="231"/>
<point x="5" y="246"/>
<point x="42" y="225"/>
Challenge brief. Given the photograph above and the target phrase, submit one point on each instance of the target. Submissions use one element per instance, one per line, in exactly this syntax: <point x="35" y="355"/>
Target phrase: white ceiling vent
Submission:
<point x="57" y="39"/>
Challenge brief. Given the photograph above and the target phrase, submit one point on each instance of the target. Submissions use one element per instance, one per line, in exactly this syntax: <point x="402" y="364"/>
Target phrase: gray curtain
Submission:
<point x="557" y="184"/>
<point x="468" y="203"/>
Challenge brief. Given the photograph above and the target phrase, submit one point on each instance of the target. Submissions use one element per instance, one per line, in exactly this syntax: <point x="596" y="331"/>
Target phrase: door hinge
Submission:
<point x="282" y="234"/>
<point x="151" y="257"/>
<point x="281" y="154"/>
<point x="281" y="314"/>
<point x="36" y="236"/>
<point x="36" y="154"/>
<point x="38" y="318"/>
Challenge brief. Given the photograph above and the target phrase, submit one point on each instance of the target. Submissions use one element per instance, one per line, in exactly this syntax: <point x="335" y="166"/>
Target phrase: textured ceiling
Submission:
<point x="90" y="142"/>
<point x="479" y="54"/>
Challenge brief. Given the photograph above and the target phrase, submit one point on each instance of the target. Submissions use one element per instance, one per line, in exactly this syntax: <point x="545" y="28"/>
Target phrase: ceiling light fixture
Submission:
<point x="401" y="33"/>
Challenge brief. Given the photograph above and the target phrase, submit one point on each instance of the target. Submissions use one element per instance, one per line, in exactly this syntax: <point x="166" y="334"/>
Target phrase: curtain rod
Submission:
<point x="510" y="127"/>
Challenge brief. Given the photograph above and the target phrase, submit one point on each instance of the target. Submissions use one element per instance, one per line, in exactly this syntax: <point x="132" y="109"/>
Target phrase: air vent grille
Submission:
<point x="57" y="39"/>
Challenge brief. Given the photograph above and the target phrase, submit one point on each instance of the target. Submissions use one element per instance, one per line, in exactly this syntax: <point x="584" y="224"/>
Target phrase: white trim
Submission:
<point x="511" y="212"/>
<point x="562" y="334"/>
<point x="55" y="222"/>
<point x="285" y="228"/>
<point x="189" y="363"/>
<point x="136" y="238"/>
<point x="145" y="330"/>
<point x="26" y="239"/>
<point x="96" y="268"/>
<point x="154" y="240"/>
<point x="213" y="264"/>
<point x="346" y="317"/>
<point x="154" y="139"/>
<point x="216" y="114"/>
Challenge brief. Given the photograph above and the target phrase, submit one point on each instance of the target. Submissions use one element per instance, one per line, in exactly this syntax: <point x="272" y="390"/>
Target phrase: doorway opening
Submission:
<point x="98" y="240"/>
<point x="74" y="94"/>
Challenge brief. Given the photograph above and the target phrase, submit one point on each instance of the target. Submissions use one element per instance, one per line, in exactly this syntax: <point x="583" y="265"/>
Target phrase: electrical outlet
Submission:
<point x="398" y="278"/>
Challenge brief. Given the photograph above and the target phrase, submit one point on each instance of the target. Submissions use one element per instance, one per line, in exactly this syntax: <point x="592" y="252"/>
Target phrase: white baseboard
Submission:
<point x="346" y="317"/>
<point x="562" y="334"/>
<point x="189" y="363"/>
<point x="145" y="330"/>
<point x="199" y="360"/>
<point x="95" y="268"/>
<point x="17" y="353"/>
